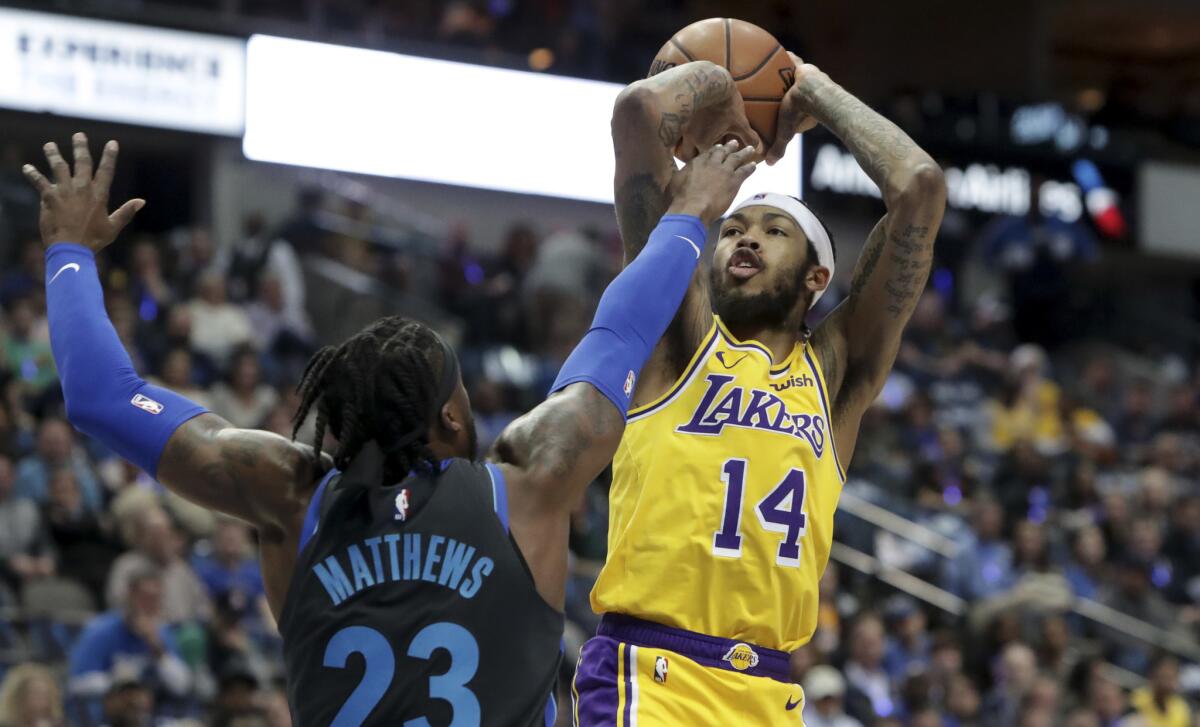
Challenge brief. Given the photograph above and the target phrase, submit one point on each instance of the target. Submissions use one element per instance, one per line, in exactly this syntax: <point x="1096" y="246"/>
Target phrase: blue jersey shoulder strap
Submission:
<point x="313" y="515"/>
<point x="499" y="492"/>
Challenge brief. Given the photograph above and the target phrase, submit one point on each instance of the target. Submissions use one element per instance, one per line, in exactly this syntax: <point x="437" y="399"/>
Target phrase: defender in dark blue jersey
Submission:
<point x="413" y="585"/>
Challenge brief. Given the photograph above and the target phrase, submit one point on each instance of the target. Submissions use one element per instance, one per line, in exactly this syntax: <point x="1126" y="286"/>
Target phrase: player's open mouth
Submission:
<point x="744" y="263"/>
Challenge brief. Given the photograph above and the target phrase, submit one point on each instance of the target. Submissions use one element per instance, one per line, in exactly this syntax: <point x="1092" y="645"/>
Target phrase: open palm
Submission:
<point x="75" y="205"/>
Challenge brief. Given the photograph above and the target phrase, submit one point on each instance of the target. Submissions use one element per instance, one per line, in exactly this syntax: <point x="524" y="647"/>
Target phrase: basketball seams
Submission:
<point x="760" y="66"/>
<point x="728" y="45"/>
<point x="679" y="47"/>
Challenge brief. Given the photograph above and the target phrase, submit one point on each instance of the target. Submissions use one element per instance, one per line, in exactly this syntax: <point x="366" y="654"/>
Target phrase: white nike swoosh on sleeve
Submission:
<point x="694" y="245"/>
<point x="70" y="266"/>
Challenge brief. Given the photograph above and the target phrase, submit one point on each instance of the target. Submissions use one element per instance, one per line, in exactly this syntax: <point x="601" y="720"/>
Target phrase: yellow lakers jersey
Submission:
<point x="723" y="494"/>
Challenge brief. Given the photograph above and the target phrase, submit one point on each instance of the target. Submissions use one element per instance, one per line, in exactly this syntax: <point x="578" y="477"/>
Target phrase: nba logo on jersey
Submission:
<point x="660" y="669"/>
<point x="629" y="383"/>
<point x="741" y="657"/>
<point x="146" y="404"/>
<point x="402" y="505"/>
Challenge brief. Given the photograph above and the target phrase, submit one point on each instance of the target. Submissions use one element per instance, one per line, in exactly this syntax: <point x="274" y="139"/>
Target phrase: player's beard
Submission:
<point x="770" y="307"/>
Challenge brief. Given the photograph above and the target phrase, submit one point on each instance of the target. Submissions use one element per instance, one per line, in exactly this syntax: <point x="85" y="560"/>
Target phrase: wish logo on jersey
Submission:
<point x="733" y="406"/>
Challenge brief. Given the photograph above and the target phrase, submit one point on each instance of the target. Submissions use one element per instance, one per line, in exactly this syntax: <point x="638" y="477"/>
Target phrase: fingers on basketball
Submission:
<point x="761" y="68"/>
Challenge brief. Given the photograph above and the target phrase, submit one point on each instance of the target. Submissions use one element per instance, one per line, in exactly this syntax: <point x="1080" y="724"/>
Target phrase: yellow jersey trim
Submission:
<point x="775" y="370"/>
<point x="819" y="375"/>
<point x="681" y="383"/>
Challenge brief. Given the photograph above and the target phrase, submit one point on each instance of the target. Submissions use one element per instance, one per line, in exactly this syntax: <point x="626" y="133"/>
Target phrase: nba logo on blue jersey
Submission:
<point x="402" y="505"/>
<point x="146" y="404"/>
<point x="660" y="669"/>
<point x="629" y="383"/>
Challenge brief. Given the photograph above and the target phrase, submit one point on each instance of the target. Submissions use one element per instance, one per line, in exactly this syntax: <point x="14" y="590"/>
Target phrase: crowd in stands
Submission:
<point x="1053" y="472"/>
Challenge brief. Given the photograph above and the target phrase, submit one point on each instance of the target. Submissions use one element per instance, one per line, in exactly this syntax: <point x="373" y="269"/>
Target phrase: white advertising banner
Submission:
<point x="119" y="72"/>
<point x="371" y="112"/>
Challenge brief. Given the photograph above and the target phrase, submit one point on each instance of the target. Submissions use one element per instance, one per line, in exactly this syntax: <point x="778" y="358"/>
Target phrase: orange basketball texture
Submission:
<point x="761" y="68"/>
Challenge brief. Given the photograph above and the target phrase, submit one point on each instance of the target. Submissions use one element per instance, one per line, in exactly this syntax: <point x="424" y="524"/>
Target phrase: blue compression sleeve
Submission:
<point x="105" y="397"/>
<point x="635" y="311"/>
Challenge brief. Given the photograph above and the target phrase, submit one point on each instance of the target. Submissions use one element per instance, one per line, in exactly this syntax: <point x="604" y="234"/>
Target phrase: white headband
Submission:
<point x="805" y="220"/>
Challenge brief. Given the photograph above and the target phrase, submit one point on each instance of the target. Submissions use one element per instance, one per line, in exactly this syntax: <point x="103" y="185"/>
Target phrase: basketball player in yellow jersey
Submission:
<point x="729" y="472"/>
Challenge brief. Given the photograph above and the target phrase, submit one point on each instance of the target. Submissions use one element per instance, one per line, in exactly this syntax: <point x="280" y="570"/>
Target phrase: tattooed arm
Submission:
<point x="653" y="116"/>
<point x="857" y="344"/>
<point x="689" y="108"/>
<point x="549" y="456"/>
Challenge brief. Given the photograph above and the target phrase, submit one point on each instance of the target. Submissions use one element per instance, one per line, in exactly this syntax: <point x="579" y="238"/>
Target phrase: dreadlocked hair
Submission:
<point x="378" y="385"/>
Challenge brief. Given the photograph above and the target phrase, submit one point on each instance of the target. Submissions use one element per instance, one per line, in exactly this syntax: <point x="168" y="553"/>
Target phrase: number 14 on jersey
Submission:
<point x="780" y="511"/>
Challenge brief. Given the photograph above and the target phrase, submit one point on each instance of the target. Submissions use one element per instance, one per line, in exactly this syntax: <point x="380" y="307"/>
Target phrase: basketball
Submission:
<point x="761" y="68"/>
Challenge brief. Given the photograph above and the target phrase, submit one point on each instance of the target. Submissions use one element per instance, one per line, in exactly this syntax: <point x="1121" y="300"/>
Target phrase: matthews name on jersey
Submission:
<point x="411" y="604"/>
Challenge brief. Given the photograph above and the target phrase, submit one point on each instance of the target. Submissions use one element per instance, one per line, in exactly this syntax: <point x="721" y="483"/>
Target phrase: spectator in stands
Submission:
<point x="283" y="331"/>
<point x="258" y="255"/>
<point x="131" y="643"/>
<point x="194" y="254"/>
<point x="178" y="377"/>
<point x="962" y="702"/>
<point x="232" y="565"/>
<point x="218" y="327"/>
<point x="983" y="566"/>
<point x="1081" y="717"/>
<point x="301" y="229"/>
<point x="85" y="548"/>
<point x="128" y="703"/>
<point x="824" y="689"/>
<point x="1132" y="594"/>
<point x="864" y="669"/>
<point x="27" y="277"/>
<point x="1160" y="703"/>
<point x="13" y="437"/>
<point x="1087" y="571"/>
<point x="1136" y="422"/>
<point x="908" y="643"/>
<point x="245" y="400"/>
<point x="24" y="548"/>
<point x="1016" y="673"/>
<point x="1030" y="553"/>
<point x="159" y="546"/>
<point x="231" y="646"/>
<point x="1182" y="546"/>
<point x="1030" y="409"/>
<point x="30" y="697"/>
<point x="56" y="449"/>
<point x="148" y="288"/>
<point x="1106" y="699"/>
<point x="24" y="352"/>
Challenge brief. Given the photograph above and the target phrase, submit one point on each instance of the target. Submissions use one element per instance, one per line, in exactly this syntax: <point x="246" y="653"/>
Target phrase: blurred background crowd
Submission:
<point x="1018" y="543"/>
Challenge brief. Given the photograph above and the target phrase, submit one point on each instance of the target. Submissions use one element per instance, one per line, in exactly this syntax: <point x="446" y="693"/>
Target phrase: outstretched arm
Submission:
<point x="256" y="476"/>
<point x="551" y="454"/>
<point x="857" y="344"/>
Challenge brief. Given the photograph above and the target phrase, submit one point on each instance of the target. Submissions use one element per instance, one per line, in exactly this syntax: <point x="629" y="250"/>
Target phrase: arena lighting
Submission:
<point x="372" y="112"/>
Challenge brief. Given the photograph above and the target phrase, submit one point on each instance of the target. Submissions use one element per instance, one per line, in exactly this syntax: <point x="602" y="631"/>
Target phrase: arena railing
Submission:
<point x="898" y="526"/>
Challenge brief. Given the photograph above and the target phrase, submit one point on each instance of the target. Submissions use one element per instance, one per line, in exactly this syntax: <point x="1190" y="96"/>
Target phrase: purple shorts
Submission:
<point x="637" y="672"/>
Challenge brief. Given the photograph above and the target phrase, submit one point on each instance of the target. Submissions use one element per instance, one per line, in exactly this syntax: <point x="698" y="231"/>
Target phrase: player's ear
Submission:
<point x="449" y="419"/>
<point x="817" y="278"/>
